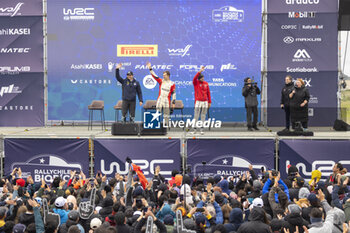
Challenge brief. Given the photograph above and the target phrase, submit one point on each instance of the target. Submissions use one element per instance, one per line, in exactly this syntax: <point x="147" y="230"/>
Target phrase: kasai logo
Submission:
<point x="226" y="165"/>
<point x="149" y="82"/>
<point x="47" y="167"/>
<point x="11" y="11"/>
<point x="288" y="39"/>
<point x="228" y="14"/>
<point x="180" y="52"/>
<point x="84" y="14"/>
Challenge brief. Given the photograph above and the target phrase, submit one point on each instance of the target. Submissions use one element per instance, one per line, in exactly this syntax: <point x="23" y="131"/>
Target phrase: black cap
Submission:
<point x="130" y="73"/>
<point x="73" y="215"/>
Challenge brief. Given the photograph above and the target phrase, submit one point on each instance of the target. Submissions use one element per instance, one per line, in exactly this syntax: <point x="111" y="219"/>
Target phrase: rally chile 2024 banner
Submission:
<point x="110" y="156"/>
<point x="229" y="157"/>
<point x="303" y="42"/>
<point x="47" y="158"/>
<point x="21" y="63"/>
<point x="310" y="155"/>
<point x="87" y="38"/>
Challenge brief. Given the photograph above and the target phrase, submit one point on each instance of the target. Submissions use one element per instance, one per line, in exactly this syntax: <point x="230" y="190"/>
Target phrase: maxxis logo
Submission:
<point x="288" y="39"/>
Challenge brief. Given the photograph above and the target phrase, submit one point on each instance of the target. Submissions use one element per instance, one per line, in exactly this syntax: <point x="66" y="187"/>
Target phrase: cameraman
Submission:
<point x="250" y="92"/>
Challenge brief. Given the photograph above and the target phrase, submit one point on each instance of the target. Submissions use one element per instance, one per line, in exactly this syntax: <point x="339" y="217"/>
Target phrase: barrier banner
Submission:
<point x="47" y="158"/>
<point x="22" y="99"/>
<point x="309" y="155"/>
<point x="229" y="157"/>
<point x="12" y="8"/>
<point x="84" y="46"/>
<point x="110" y="155"/>
<point x="323" y="97"/>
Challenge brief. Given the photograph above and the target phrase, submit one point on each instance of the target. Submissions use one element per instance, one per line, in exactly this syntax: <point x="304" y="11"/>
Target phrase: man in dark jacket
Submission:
<point x="250" y="92"/>
<point x="257" y="223"/>
<point x="130" y="88"/>
<point x="285" y="100"/>
<point x="120" y="221"/>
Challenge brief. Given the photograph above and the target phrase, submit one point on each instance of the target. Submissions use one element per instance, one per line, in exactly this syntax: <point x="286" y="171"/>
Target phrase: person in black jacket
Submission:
<point x="299" y="99"/>
<point x="130" y="88"/>
<point x="258" y="222"/>
<point x="250" y="92"/>
<point x="285" y="100"/>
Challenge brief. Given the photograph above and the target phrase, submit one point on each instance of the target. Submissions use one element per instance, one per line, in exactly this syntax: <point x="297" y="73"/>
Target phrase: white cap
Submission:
<point x="60" y="201"/>
<point x="95" y="223"/>
<point x="258" y="202"/>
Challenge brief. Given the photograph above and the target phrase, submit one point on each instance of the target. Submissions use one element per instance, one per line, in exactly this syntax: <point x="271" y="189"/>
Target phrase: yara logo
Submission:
<point x="324" y="166"/>
<point x="11" y="11"/>
<point x="145" y="165"/>
<point x="180" y="52"/>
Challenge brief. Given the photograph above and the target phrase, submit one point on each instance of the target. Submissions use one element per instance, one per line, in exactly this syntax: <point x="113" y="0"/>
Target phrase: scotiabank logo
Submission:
<point x="137" y="50"/>
<point x="14" y="69"/>
<point x="302" y="14"/>
<point x="15" y="50"/>
<point x="302" y="2"/>
<point x="11" y="11"/>
<point x="14" y="31"/>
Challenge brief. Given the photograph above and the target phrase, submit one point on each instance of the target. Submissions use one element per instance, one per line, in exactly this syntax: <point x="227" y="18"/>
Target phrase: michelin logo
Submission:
<point x="227" y="14"/>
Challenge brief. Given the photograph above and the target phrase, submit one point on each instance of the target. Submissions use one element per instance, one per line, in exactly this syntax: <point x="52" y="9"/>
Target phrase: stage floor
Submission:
<point x="226" y="132"/>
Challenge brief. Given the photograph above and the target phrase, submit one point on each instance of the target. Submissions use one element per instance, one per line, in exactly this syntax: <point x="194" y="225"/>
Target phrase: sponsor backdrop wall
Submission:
<point x="302" y="42"/>
<point x="46" y="158"/>
<point x="21" y="63"/>
<point x="229" y="157"/>
<point x="309" y="155"/>
<point x="110" y="156"/>
<point x="178" y="36"/>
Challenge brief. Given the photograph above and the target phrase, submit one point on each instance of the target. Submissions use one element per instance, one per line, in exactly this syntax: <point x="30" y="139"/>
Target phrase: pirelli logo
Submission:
<point x="137" y="50"/>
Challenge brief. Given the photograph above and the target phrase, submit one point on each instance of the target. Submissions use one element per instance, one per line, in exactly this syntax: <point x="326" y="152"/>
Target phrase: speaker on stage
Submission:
<point x="160" y="131"/>
<point x="119" y="128"/>
<point x="340" y="125"/>
<point x="344" y="15"/>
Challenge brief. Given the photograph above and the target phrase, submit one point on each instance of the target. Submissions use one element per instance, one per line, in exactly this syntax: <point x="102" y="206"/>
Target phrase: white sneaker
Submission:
<point x="202" y="132"/>
<point x="194" y="132"/>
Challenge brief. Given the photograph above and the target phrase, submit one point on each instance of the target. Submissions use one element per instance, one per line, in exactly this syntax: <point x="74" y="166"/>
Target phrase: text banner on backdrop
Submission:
<point x="286" y="6"/>
<point x="323" y="99"/>
<point x="110" y="156"/>
<point x="22" y="99"/>
<point x="229" y="47"/>
<point x="229" y="157"/>
<point x="46" y="158"/>
<point x="310" y="155"/>
<point x="12" y="8"/>
<point x="21" y="45"/>
<point x="302" y="45"/>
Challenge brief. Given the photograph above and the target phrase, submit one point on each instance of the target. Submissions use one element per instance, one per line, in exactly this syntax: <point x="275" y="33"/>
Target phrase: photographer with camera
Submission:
<point x="250" y="92"/>
<point x="299" y="99"/>
<point x="285" y="100"/>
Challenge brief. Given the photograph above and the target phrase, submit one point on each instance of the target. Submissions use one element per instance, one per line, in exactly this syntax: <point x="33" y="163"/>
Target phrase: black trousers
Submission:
<point x="287" y="114"/>
<point x="250" y="111"/>
<point x="128" y="106"/>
